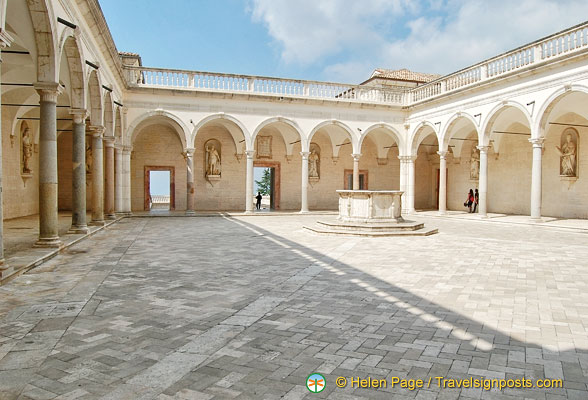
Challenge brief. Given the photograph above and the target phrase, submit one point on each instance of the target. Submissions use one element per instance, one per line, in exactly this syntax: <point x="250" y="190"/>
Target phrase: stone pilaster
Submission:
<point x="78" y="207"/>
<point x="48" y="214"/>
<point x="304" y="182"/>
<point x="109" y="177"/>
<point x="249" y="182"/>
<point x="118" y="181"/>
<point x="356" y="157"/>
<point x="536" y="177"/>
<point x="127" y="180"/>
<point x="442" y="182"/>
<point x="97" y="175"/>
<point x="190" y="191"/>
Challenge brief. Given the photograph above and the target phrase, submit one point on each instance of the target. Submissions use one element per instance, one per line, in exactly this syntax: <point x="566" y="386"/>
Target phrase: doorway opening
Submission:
<point x="266" y="180"/>
<point x="159" y="188"/>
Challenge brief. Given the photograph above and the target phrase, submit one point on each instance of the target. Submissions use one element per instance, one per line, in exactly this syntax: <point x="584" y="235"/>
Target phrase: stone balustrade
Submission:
<point x="543" y="51"/>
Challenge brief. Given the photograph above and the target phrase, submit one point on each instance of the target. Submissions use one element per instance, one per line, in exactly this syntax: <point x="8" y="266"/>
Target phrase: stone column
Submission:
<point x="356" y="157"/>
<point x="483" y="182"/>
<point x="127" y="180"/>
<point x="536" y="178"/>
<point x="78" y="195"/>
<point x="109" y="177"/>
<point x="118" y="181"/>
<point x="403" y="182"/>
<point x="410" y="185"/>
<point x="442" y="182"/>
<point x="249" y="182"/>
<point x="97" y="176"/>
<point x="304" y="182"/>
<point x="5" y="41"/>
<point x="48" y="215"/>
<point x="190" y="192"/>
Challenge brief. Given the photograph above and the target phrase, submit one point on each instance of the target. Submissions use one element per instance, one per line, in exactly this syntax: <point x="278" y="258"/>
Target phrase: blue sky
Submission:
<point x="333" y="40"/>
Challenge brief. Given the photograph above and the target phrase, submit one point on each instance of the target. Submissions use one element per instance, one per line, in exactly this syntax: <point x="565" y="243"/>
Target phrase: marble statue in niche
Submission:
<point x="213" y="159"/>
<point x="475" y="163"/>
<point x="568" y="156"/>
<point x="314" y="161"/>
<point x="27" y="149"/>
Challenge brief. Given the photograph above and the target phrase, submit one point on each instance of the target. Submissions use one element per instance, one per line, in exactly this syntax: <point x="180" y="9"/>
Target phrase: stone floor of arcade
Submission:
<point x="242" y="307"/>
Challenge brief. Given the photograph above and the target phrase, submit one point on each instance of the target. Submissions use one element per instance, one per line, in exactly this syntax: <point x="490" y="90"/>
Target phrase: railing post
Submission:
<point x="537" y="53"/>
<point x="484" y="72"/>
<point x="251" y="84"/>
<point x="191" y="78"/>
<point x="306" y="90"/>
<point x="443" y="85"/>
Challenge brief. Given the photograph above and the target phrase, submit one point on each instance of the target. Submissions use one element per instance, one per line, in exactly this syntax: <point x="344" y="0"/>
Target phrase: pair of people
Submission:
<point x="472" y="200"/>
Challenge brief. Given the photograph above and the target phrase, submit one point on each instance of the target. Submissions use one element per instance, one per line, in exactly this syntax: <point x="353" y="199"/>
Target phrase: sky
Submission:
<point x="331" y="40"/>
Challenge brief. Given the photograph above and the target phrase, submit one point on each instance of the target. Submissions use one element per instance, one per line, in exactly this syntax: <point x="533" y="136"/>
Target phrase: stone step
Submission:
<point x="371" y="227"/>
<point x="398" y="232"/>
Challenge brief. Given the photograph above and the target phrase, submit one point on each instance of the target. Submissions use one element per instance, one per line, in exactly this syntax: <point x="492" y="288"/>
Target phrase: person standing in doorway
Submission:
<point x="476" y="200"/>
<point x="258" y="201"/>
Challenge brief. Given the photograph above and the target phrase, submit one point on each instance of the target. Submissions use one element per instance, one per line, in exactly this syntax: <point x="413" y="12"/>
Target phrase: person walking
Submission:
<point x="258" y="201"/>
<point x="476" y="200"/>
<point x="470" y="200"/>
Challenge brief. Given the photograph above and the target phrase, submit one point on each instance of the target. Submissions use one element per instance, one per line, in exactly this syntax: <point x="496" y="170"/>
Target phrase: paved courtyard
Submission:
<point x="249" y="307"/>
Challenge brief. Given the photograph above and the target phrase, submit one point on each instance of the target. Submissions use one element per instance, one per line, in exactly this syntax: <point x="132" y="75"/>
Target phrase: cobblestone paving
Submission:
<point x="248" y="307"/>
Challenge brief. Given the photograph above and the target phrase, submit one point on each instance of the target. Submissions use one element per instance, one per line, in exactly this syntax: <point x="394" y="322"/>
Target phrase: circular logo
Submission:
<point x="316" y="383"/>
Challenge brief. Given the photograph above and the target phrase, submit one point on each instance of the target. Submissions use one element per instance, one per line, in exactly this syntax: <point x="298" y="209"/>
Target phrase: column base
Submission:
<point x="536" y="219"/>
<point x="303" y="212"/>
<point x="190" y="212"/>
<point x="81" y="229"/>
<point x="110" y="216"/>
<point x="125" y="214"/>
<point x="97" y="223"/>
<point x="249" y="212"/>
<point x="483" y="216"/>
<point x="49" y="243"/>
<point x="442" y="212"/>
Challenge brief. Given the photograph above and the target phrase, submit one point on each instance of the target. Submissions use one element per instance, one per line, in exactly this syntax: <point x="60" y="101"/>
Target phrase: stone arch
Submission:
<point x="71" y="46"/>
<point x="388" y="129"/>
<point x="278" y="120"/>
<point x="95" y="98"/>
<point x="228" y="121"/>
<point x="160" y="116"/>
<point x="325" y="124"/>
<point x="451" y="123"/>
<point x="108" y="115"/>
<point x="419" y="134"/>
<point x="495" y="113"/>
<point x="44" y="28"/>
<point x="550" y="103"/>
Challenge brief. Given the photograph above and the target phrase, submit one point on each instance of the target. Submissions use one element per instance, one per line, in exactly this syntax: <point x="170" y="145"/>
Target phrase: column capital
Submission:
<point x="79" y="115"/>
<point x="48" y="91"/>
<point x="127" y="149"/>
<point x="483" y="149"/>
<point x="356" y="156"/>
<point x="442" y="154"/>
<point x="108" y="141"/>
<point x="537" y="142"/>
<point x="407" y="158"/>
<point x="305" y="154"/>
<point x="250" y="153"/>
<point x="95" y="130"/>
<point x="189" y="152"/>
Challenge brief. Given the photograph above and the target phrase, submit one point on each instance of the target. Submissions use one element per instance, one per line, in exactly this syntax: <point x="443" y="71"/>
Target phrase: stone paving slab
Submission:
<point x="247" y="307"/>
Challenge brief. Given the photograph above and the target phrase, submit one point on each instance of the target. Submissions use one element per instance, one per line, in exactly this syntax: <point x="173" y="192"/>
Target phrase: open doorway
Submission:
<point x="159" y="188"/>
<point x="266" y="180"/>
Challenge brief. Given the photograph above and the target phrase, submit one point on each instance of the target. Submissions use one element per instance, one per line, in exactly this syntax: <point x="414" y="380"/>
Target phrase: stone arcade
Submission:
<point x="83" y="124"/>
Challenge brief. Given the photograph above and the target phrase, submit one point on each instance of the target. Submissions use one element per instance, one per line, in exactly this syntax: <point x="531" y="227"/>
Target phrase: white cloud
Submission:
<point x="437" y="36"/>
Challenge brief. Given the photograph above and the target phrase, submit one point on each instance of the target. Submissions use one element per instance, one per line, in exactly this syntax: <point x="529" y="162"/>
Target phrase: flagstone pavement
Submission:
<point x="248" y="307"/>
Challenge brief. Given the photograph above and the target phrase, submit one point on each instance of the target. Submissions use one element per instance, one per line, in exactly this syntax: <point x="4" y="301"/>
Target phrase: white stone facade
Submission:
<point x="495" y="126"/>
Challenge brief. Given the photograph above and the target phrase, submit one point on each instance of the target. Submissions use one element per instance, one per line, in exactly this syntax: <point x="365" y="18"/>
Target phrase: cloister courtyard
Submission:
<point x="247" y="307"/>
